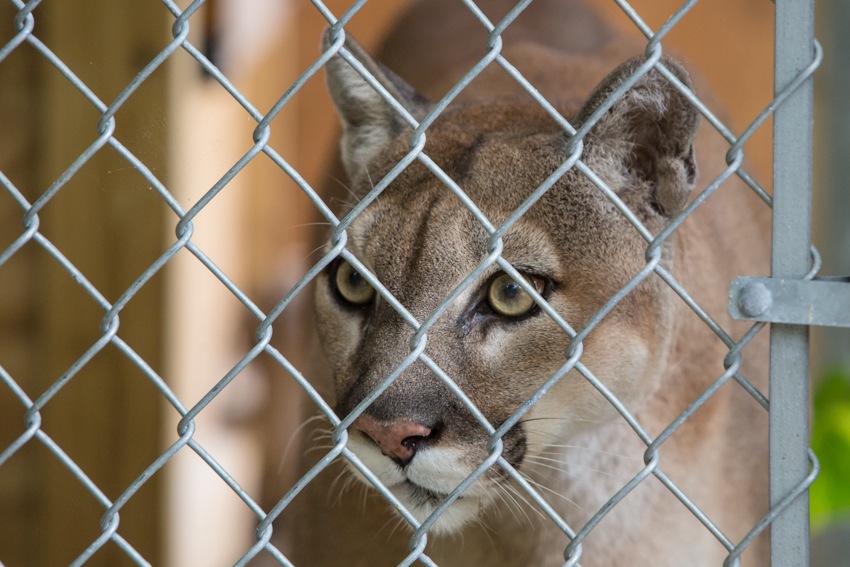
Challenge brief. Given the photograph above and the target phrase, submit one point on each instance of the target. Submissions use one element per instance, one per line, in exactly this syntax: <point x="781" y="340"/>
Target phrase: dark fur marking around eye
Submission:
<point x="479" y="314"/>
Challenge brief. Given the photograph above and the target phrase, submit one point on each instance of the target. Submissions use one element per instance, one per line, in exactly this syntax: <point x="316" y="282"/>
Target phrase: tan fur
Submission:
<point x="651" y="350"/>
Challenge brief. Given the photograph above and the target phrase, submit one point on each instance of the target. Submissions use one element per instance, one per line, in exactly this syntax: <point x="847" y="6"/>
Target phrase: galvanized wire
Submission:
<point x="105" y="126"/>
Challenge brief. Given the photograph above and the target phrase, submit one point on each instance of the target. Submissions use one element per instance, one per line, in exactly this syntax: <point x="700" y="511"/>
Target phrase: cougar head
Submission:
<point x="496" y="340"/>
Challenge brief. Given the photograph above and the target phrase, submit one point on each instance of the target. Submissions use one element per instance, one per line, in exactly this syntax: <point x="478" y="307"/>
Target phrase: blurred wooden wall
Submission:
<point x="108" y="418"/>
<point x="18" y="332"/>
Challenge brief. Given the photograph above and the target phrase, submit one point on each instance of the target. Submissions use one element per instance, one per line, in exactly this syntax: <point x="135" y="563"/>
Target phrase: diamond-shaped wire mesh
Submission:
<point x="109" y="301"/>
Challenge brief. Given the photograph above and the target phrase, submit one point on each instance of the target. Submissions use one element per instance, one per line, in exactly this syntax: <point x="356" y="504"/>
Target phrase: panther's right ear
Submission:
<point x="369" y="123"/>
<point x="650" y="133"/>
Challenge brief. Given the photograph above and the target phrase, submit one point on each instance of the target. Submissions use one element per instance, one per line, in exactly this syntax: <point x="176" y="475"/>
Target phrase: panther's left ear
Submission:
<point x="369" y="123"/>
<point x="650" y="131"/>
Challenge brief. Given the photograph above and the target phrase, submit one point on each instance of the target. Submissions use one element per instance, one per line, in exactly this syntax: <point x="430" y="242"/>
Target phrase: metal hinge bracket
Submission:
<point x="820" y="301"/>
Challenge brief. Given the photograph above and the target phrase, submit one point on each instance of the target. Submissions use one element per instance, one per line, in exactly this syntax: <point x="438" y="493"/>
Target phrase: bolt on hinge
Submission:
<point x="820" y="301"/>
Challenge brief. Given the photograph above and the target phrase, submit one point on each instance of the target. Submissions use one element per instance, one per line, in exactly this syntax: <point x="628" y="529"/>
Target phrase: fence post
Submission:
<point x="789" y="438"/>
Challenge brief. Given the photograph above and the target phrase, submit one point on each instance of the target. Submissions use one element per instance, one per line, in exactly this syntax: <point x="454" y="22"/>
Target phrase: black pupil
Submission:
<point x="355" y="279"/>
<point x="511" y="290"/>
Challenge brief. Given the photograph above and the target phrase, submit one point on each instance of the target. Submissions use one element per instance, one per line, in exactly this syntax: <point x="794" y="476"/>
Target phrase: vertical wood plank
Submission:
<point x="109" y="223"/>
<point x="17" y="331"/>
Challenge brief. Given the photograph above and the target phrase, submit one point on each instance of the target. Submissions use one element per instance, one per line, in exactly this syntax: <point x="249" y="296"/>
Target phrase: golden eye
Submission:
<point x="352" y="286"/>
<point x="507" y="298"/>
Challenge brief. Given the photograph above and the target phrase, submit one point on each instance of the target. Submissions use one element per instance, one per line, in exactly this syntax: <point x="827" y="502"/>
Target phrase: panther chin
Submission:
<point x="421" y="502"/>
<point x="423" y="485"/>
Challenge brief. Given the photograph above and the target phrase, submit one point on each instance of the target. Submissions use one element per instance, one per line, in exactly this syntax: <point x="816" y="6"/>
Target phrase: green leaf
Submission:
<point x="830" y="493"/>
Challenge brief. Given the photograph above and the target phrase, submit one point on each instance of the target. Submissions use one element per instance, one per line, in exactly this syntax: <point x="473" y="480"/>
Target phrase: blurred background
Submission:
<point x="109" y="221"/>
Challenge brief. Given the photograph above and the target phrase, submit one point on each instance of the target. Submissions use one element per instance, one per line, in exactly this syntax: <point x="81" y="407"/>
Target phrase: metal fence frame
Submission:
<point x="792" y="466"/>
<point x="792" y="213"/>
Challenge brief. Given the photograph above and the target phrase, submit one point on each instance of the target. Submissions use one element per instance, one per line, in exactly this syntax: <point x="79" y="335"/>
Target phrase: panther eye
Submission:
<point x="507" y="298"/>
<point x="352" y="286"/>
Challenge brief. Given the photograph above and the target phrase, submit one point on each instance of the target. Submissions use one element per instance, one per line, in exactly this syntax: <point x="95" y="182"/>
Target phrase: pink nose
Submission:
<point x="398" y="440"/>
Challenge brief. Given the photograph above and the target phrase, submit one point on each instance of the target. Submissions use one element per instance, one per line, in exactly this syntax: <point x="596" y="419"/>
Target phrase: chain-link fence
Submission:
<point x="110" y="298"/>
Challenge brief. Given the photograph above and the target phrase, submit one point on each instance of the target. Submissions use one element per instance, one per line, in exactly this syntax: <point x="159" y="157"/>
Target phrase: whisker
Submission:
<point x="400" y="523"/>
<point x="295" y="434"/>
<point x="322" y="435"/>
<point x="365" y="492"/>
<point x="343" y="482"/>
<point x="485" y="529"/>
<point x="313" y="251"/>
<point x="368" y="177"/>
<point x="579" y="447"/>
<point x="539" y="461"/>
<point x="318" y="448"/>
<point x="515" y="507"/>
<point x="346" y="187"/>
<point x="547" y="489"/>
<point x="568" y="445"/>
<point x="511" y="504"/>
<point x="396" y="521"/>
<point x="528" y="504"/>
<point x="347" y="204"/>
<point x="306" y="224"/>
<point x="571" y="418"/>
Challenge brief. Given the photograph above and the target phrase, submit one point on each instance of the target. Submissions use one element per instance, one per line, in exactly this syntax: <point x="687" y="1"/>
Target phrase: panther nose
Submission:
<point x="398" y="440"/>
